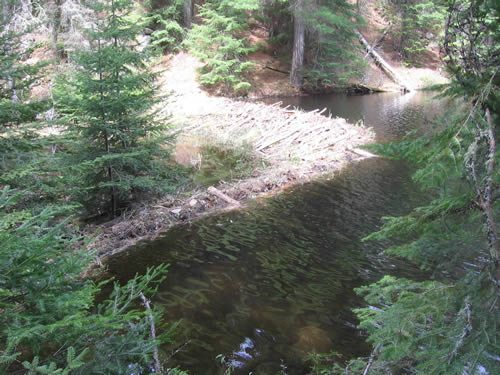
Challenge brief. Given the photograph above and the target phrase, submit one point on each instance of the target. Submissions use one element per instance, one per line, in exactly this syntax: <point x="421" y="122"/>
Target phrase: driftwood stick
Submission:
<point x="372" y="358"/>
<point x="224" y="197"/>
<point x="363" y="153"/>
<point x="281" y="137"/>
<point x="276" y="70"/>
<point x="156" y="358"/>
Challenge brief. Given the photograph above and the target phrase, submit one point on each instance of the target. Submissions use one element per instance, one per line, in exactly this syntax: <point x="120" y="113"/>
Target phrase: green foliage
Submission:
<point x="325" y="363"/>
<point x="332" y="43"/>
<point x="107" y="103"/>
<point x="16" y="79"/>
<point x="166" y="23"/>
<point x="220" y="43"/>
<point x="472" y="45"/>
<point x="331" y="46"/>
<point x="433" y="327"/>
<point x="176" y="371"/>
<point x="448" y="325"/>
<point x="224" y="163"/>
<point x="35" y="163"/>
<point x="417" y="23"/>
<point x="23" y="150"/>
<point x="278" y="16"/>
<point x="50" y="321"/>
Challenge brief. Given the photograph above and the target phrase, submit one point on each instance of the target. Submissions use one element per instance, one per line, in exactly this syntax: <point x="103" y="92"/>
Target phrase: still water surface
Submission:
<point x="266" y="285"/>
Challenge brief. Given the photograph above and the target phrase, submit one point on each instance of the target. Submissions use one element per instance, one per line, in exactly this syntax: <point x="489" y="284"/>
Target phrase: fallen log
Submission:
<point x="214" y="191"/>
<point x="276" y="70"/>
<point x="379" y="40"/>
<point x="362" y="153"/>
<point x="383" y="64"/>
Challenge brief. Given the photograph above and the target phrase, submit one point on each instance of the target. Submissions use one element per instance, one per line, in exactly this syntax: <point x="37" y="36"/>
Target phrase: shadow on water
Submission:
<point x="275" y="281"/>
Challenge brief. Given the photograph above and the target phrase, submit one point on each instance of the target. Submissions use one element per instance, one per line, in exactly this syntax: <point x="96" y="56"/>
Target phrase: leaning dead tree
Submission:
<point x="379" y="60"/>
<point x="377" y="43"/>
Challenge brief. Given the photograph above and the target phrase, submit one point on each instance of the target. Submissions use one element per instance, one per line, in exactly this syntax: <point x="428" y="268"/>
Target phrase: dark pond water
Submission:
<point x="392" y="115"/>
<point x="266" y="285"/>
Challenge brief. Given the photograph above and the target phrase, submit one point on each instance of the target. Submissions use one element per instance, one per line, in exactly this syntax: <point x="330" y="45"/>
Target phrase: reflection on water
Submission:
<point x="281" y="274"/>
<point x="391" y="114"/>
<point x="275" y="281"/>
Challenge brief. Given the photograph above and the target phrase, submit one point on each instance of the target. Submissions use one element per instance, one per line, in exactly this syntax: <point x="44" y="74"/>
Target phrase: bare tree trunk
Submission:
<point x="106" y="135"/>
<point x="188" y="13"/>
<point x="296" y="75"/>
<point x="11" y="80"/>
<point x="56" y="24"/>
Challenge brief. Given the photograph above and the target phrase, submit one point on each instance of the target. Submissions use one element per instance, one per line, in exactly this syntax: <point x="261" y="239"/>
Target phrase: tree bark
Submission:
<point x="296" y="75"/>
<point x="188" y="13"/>
<point x="11" y="80"/>
<point x="106" y="136"/>
<point x="224" y="197"/>
<point x="383" y="64"/>
<point x="56" y="24"/>
<point x="484" y="187"/>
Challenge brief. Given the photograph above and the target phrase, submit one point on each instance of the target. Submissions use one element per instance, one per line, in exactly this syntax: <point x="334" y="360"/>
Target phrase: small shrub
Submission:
<point x="224" y="163"/>
<point x="166" y="23"/>
<point x="219" y="42"/>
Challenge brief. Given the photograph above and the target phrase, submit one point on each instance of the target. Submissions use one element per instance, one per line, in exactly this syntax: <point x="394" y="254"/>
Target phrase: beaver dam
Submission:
<point x="290" y="145"/>
<point x="267" y="284"/>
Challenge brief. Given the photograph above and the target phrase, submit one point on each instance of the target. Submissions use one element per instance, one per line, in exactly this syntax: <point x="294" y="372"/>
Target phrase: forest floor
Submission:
<point x="288" y="146"/>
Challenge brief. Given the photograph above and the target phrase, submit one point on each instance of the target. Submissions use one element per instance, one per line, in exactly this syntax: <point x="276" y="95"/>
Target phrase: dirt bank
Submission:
<point x="293" y="147"/>
<point x="430" y="70"/>
<point x="270" y="76"/>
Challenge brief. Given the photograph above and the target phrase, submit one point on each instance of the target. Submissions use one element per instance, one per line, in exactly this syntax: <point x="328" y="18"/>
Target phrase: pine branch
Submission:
<point x="157" y="364"/>
<point x="466" y="330"/>
<point x="372" y="358"/>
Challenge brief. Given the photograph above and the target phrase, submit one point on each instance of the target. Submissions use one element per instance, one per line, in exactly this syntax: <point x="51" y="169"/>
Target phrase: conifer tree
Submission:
<point x="448" y="324"/>
<point x="107" y="103"/>
<point x="50" y="321"/>
<point x="333" y="43"/>
<point x="218" y="41"/>
<point x="167" y="21"/>
<point x="188" y="13"/>
<point x="16" y="77"/>
<point x="324" y="32"/>
<point x="20" y="144"/>
<point x="416" y="24"/>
